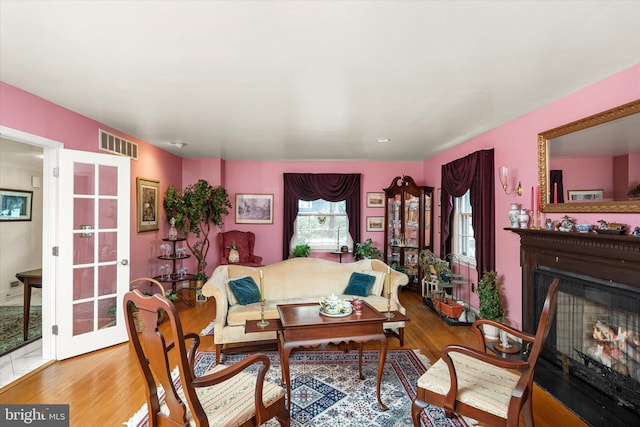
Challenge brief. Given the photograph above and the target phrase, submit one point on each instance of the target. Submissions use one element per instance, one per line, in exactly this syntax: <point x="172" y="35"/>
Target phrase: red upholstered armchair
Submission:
<point x="245" y="241"/>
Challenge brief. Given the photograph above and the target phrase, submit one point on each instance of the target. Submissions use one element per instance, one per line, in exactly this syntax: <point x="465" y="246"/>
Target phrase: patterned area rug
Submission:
<point x="11" y="327"/>
<point x="326" y="389"/>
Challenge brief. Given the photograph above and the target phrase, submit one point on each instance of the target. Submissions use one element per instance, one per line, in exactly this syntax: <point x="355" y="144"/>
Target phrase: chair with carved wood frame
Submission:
<point x="223" y="396"/>
<point x="484" y="386"/>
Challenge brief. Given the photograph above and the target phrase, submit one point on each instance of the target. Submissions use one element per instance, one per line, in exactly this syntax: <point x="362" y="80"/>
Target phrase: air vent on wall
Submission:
<point x="115" y="144"/>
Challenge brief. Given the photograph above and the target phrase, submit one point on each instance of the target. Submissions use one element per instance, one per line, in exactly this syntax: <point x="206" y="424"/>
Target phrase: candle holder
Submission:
<point x="262" y="323"/>
<point x="389" y="314"/>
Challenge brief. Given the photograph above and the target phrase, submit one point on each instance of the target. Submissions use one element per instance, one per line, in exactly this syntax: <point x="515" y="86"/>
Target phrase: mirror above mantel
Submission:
<point x="599" y="160"/>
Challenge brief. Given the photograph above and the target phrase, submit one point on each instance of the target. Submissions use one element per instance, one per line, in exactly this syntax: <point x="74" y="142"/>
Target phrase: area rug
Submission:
<point x="327" y="391"/>
<point x="11" y="327"/>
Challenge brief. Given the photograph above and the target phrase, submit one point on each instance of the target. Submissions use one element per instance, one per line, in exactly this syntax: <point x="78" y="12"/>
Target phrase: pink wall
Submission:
<point x="516" y="146"/>
<point x="592" y="173"/>
<point x="267" y="178"/>
<point x="26" y="112"/>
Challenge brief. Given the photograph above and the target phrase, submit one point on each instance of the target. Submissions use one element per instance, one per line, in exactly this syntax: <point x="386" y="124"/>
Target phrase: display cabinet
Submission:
<point x="408" y="226"/>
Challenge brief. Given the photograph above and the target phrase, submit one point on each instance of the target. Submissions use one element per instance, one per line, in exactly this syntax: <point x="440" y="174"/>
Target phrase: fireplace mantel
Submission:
<point x="604" y="256"/>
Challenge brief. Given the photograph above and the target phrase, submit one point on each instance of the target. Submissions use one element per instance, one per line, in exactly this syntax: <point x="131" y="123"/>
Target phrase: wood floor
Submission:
<point x="105" y="387"/>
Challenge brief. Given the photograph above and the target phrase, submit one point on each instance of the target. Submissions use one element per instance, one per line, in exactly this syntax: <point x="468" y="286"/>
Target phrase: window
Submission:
<point x="464" y="242"/>
<point x="321" y="224"/>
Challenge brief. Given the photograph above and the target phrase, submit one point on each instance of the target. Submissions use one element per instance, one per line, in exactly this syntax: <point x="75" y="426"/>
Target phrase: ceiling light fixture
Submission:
<point x="178" y="144"/>
<point x="382" y="140"/>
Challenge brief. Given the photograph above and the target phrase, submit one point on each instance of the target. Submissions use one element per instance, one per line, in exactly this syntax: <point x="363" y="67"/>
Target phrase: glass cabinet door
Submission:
<point x="394" y="230"/>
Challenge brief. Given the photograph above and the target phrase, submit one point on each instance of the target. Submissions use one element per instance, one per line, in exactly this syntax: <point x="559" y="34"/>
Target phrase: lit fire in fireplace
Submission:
<point x="616" y="348"/>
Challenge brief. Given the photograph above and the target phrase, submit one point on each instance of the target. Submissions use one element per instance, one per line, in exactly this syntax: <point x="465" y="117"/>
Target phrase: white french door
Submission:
<point x="93" y="270"/>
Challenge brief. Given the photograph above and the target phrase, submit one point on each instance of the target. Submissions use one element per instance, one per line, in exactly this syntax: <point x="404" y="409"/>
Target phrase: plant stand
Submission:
<point x="175" y="278"/>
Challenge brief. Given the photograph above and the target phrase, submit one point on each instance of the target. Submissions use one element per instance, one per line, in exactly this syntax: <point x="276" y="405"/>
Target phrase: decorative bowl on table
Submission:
<point x="584" y="228"/>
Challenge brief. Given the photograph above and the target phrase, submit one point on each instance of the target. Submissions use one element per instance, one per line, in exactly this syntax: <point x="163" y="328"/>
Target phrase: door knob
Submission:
<point x="124" y="262"/>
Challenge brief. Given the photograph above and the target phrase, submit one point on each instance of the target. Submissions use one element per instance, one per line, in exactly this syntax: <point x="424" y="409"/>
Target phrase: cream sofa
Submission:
<point x="292" y="281"/>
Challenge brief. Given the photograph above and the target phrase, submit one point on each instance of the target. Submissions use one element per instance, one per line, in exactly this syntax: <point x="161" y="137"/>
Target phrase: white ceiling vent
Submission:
<point x="116" y="145"/>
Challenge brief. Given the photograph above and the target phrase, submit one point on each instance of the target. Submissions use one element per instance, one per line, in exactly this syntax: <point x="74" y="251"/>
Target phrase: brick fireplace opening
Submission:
<point x="591" y="360"/>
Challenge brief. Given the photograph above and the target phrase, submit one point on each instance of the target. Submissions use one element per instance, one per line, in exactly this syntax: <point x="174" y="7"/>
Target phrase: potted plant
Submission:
<point x="195" y="209"/>
<point x="441" y="267"/>
<point x="366" y="250"/>
<point x="490" y="302"/>
<point x="301" y="251"/>
<point x="634" y="192"/>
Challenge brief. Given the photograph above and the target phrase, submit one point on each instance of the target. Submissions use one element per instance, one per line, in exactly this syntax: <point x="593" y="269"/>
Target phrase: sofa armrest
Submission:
<point x="397" y="279"/>
<point x="216" y="287"/>
<point x="255" y="258"/>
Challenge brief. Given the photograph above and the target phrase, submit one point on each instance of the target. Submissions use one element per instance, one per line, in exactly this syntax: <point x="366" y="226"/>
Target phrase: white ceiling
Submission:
<point x="306" y="80"/>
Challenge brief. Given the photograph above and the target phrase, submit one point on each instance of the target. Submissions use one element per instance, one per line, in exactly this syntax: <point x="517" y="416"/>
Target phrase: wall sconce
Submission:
<point x="504" y="181"/>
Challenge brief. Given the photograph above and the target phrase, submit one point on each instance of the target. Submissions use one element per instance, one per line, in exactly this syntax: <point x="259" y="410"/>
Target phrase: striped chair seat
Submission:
<point x="230" y="403"/>
<point x="480" y="384"/>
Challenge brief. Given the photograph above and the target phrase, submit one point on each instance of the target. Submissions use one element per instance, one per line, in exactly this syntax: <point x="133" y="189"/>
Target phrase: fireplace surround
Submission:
<point x="591" y="361"/>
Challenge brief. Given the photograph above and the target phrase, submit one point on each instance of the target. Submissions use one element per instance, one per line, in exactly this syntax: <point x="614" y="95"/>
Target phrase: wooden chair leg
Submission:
<point x="401" y="336"/>
<point x="284" y="418"/>
<point x="218" y="353"/>
<point x="416" y="409"/>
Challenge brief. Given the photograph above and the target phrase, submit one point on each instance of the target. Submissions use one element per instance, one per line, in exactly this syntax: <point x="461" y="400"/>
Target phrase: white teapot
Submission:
<point x="332" y="304"/>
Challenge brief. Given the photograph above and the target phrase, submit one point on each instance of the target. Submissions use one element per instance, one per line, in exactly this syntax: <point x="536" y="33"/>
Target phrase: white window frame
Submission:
<point x="459" y="218"/>
<point x="320" y="248"/>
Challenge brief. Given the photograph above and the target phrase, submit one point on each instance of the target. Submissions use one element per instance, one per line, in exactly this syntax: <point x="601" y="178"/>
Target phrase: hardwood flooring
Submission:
<point x="105" y="387"/>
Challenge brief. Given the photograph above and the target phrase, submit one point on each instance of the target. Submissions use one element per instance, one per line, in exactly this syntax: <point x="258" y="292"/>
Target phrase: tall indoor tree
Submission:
<point x="196" y="209"/>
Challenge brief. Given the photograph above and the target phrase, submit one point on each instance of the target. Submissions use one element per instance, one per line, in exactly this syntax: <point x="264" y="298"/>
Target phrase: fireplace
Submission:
<point x="591" y="359"/>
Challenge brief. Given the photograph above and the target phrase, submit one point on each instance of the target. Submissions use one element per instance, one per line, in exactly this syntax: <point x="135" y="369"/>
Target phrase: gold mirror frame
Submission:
<point x="622" y="206"/>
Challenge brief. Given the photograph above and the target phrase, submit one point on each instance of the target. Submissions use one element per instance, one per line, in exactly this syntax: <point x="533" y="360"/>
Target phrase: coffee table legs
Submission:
<point x="285" y="351"/>
<point x="383" y="358"/>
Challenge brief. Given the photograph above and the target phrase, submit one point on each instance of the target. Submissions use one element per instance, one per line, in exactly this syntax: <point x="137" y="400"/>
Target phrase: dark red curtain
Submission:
<point x="474" y="172"/>
<point x="333" y="187"/>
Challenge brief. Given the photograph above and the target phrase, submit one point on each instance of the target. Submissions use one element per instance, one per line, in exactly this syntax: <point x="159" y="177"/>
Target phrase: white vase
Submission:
<point x="514" y="211"/>
<point x="523" y="218"/>
<point x="491" y="332"/>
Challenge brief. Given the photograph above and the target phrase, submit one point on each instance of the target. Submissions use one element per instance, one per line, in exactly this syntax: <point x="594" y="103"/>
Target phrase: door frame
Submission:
<point x="49" y="229"/>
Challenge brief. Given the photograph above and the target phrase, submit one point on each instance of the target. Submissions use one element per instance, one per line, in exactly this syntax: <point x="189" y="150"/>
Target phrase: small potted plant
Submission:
<point x="366" y="250"/>
<point x="441" y="267"/>
<point x="634" y="192"/>
<point x="490" y="302"/>
<point x="301" y="251"/>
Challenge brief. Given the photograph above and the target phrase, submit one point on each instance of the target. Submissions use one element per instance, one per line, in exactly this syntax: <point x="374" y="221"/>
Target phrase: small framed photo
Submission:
<point x="15" y="205"/>
<point x="375" y="223"/>
<point x="254" y="208"/>
<point x="375" y="200"/>
<point x="580" y="195"/>
<point x="147" y="203"/>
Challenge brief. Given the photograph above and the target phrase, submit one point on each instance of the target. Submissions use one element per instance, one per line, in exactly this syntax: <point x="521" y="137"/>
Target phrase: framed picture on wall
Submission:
<point x="375" y="223"/>
<point x="576" y="195"/>
<point x="147" y="203"/>
<point x="15" y="205"/>
<point x="254" y="208"/>
<point x="375" y="200"/>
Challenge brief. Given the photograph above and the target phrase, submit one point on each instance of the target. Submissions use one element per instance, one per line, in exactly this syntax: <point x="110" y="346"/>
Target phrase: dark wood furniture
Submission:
<point x="480" y="389"/>
<point x="304" y="326"/>
<point x="30" y="279"/>
<point x="174" y="278"/>
<point x="408" y="226"/>
<point x="155" y="348"/>
<point x="604" y="256"/>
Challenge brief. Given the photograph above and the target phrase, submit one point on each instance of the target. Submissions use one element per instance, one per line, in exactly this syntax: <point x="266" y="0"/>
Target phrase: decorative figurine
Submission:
<point x="173" y="232"/>
<point x="636" y="232"/>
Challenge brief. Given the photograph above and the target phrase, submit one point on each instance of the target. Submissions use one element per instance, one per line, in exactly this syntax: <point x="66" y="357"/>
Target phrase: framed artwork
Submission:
<point x="147" y="203"/>
<point x="375" y="223"/>
<point x="254" y="208"/>
<point x="576" y="195"/>
<point x="15" y="205"/>
<point x="375" y="200"/>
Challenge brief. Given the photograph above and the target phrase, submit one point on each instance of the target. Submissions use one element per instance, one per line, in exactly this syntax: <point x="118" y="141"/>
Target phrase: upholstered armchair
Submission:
<point x="493" y="390"/>
<point x="244" y="241"/>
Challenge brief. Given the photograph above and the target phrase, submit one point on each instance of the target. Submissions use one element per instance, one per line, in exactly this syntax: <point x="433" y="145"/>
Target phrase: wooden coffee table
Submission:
<point x="302" y="325"/>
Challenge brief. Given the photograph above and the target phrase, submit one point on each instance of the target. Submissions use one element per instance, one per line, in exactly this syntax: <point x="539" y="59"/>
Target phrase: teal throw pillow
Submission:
<point x="360" y="284"/>
<point x="245" y="290"/>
